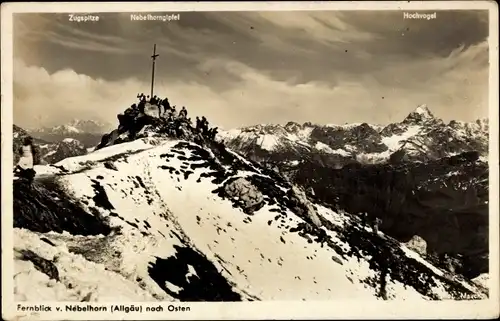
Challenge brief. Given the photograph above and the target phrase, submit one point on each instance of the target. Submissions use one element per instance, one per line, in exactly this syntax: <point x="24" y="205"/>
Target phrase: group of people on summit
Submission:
<point x="169" y="113"/>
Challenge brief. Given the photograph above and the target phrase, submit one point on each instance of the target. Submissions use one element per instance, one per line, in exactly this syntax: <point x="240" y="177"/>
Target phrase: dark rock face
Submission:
<point x="45" y="207"/>
<point x="363" y="137"/>
<point x="43" y="265"/>
<point x="392" y="129"/>
<point x="65" y="149"/>
<point x="205" y="284"/>
<point x="444" y="201"/>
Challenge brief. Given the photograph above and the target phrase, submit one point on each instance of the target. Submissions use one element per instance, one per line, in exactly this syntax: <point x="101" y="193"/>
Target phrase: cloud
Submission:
<point x="294" y="47"/>
<point x="327" y="27"/>
<point x="454" y="87"/>
<point x="41" y="98"/>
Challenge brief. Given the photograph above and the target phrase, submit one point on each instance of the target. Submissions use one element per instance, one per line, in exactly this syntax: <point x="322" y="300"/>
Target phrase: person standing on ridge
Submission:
<point x="204" y="125"/>
<point x="183" y="113"/>
<point x="198" y="124"/>
<point x="375" y="224"/>
<point x="364" y="219"/>
<point x="171" y="114"/>
<point x="142" y="106"/>
<point x="166" y="105"/>
<point x="213" y="133"/>
<point x="159" y="104"/>
<point x="28" y="159"/>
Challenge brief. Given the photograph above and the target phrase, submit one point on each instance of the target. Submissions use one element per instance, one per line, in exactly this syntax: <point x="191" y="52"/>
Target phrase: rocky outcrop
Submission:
<point x="303" y="207"/>
<point x="363" y="138"/>
<point x="43" y="265"/>
<point x="245" y="194"/>
<point x="134" y="124"/>
<point x="417" y="244"/>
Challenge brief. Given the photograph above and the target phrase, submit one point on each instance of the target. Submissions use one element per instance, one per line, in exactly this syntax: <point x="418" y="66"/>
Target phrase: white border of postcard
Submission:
<point x="254" y="310"/>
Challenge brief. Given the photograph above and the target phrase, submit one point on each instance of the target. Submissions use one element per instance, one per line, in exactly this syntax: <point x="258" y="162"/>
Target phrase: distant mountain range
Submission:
<point x="88" y="132"/>
<point x="419" y="137"/>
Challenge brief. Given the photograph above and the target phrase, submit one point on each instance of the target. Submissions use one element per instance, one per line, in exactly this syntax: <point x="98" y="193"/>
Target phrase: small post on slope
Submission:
<point x="153" y="57"/>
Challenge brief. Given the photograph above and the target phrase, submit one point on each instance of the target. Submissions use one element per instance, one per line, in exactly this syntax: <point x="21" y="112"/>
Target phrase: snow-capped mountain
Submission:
<point x="88" y="132"/>
<point x="159" y="218"/>
<point x="68" y="147"/>
<point x="48" y="152"/>
<point x="420" y="136"/>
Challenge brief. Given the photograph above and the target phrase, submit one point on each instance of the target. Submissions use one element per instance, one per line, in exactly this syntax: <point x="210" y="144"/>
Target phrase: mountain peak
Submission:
<point x="420" y="115"/>
<point x="423" y="110"/>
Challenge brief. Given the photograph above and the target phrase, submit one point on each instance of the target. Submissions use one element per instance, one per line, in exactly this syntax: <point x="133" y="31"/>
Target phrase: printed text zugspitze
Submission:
<point x="82" y="18"/>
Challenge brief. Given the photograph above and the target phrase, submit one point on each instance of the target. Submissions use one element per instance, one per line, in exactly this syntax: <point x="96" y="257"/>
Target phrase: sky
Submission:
<point x="245" y="68"/>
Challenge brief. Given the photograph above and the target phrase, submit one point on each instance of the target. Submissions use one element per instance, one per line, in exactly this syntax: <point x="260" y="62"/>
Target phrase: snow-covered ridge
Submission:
<point x="176" y="238"/>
